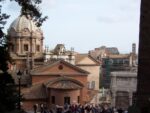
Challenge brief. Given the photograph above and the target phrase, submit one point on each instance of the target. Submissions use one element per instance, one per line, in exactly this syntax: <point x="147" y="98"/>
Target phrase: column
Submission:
<point x="35" y="51"/>
<point x="41" y="46"/>
<point x="130" y="98"/>
<point x="33" y="45"/>
<point x="21" y="46"/>
<point x="113" y="103"/>
<point x="18" y="45"/>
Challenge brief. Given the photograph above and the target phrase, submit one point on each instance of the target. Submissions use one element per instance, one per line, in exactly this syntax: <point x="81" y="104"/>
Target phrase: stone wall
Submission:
<point x="123" y="85"/>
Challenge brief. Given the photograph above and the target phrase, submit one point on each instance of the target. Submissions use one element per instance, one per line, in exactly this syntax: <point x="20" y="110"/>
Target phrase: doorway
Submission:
<point x="67" y="100"/>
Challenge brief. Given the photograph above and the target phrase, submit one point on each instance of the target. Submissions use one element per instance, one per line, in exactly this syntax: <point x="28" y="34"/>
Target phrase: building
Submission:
<point x="60" y="52"/>
<point x="88" y="63"/>
<point x="103" y="52"/>
<point x="56" y="83"/>
<point x="122" y="88"/>
<point x="25" y="46"/>
<point x="111" y="60"/>
<point x="51" y="77"/>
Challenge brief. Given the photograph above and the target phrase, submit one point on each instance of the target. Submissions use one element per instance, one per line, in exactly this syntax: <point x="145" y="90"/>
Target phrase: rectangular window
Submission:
<point x="88" y="85"/>
<point x="26" y="47"/>
<point x="53" y="99"/>
<point x="78" y="99"/>
<point x="93" y="84"/>
<point x="38" y="48"/>
<point x="66" y="100"/>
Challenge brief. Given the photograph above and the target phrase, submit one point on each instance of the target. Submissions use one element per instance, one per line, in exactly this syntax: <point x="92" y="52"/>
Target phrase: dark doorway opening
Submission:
<point x="66" y="100"/>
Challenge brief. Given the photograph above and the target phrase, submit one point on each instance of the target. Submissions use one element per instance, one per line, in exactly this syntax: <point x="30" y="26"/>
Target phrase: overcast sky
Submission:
<point x="87" y="24"/>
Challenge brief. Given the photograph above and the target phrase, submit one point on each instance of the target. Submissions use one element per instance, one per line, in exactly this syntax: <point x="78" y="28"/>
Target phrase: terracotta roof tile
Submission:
<point x="37" y="91"/>
<point x="64" y="83"/>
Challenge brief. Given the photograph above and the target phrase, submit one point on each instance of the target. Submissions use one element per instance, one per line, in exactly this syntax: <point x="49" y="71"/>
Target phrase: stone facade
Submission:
<point x="25" y="37"/>
<point x="25" y="45"/>
<point x="111" y="60"/>
<point x="123" y="86"/>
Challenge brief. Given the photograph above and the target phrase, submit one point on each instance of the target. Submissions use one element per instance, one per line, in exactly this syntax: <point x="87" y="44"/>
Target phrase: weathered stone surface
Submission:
<point x="123" y="85"/>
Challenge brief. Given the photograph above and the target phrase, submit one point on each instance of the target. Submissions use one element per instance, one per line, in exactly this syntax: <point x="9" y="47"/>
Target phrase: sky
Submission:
<point x="87" y="24"/>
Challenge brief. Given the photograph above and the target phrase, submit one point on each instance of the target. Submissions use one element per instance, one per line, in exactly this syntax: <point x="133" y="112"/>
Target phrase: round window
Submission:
<point x="60" y="67"/>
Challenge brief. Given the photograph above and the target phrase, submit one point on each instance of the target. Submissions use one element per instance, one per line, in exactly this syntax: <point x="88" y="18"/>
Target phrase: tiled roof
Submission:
<point x="37" y="91"/>
<point x="64" y="83"/>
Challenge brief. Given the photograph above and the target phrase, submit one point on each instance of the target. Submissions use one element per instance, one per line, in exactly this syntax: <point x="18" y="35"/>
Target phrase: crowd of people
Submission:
<point x="78" y="108"/>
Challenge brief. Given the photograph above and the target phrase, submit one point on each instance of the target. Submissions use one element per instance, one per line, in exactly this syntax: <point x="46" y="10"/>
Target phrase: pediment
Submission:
<point x="59" y="68"/>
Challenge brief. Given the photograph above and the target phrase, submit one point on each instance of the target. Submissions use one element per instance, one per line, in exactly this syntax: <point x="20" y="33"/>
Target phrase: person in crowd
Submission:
<point x="120" y="110"/>
<point x="82" y="109"/>
<point x="88" y="109"/>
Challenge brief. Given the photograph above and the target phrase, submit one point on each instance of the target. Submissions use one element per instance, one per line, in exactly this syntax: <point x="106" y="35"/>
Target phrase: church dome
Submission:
<point x="24" y="26"/>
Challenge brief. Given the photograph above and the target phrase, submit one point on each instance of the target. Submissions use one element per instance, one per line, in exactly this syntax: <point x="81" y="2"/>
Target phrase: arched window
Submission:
<point x="26" y="48"/>
<point x="38" y="48"/>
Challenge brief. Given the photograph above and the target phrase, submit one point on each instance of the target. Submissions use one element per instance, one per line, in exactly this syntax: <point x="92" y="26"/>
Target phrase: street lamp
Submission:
<point x="19" y="74"/>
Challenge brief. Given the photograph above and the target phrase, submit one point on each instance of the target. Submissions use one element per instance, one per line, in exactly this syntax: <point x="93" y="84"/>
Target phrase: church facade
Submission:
<point x="56" y="83"/>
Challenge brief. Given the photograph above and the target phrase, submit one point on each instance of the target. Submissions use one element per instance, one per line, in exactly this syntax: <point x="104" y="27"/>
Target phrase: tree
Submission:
<point x="8" y="92"/>
<point x="31" y="7"/>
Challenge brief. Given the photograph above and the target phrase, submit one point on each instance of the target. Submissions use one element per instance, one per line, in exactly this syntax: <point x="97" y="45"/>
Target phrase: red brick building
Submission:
<point x="56" y="83"/>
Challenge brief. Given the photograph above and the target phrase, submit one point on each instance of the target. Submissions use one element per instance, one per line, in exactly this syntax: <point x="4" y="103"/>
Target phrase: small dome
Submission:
<point x="23" y="26"/>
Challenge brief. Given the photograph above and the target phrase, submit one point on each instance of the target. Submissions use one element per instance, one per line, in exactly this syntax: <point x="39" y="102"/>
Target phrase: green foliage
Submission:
<point x="31" y="7"/>
<point x="8" y="93"/>
<point x="4" y="58"/>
